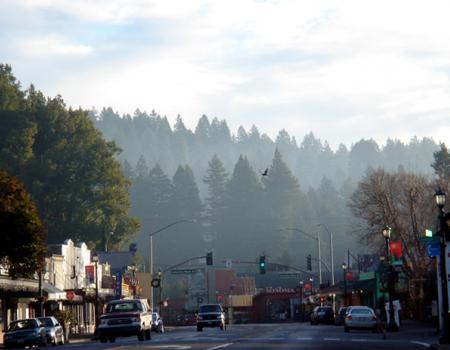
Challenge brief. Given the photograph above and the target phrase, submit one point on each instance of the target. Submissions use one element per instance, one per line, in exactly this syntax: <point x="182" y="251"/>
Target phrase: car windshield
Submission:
<point x="46" y="321"/>
<point x="123" y="307"/>
<point x="23" y="324"/>
<point x="210" y="308"/>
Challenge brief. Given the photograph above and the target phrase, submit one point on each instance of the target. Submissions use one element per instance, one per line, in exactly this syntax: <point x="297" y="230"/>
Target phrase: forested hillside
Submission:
<point x="215" y="174"/>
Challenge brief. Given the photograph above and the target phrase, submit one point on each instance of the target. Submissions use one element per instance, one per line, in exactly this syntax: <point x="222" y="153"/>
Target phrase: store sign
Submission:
<point x="118" y="286"/>
<point x="395" y="249"/>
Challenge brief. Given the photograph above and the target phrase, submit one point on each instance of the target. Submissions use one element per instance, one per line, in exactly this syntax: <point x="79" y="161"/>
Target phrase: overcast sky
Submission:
<point x="344" y="70"/>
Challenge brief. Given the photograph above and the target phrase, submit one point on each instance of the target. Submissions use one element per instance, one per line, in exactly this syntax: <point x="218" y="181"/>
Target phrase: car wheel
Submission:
<point x="148" y="335"/>
<point x="61" y="341"/>
<point x="161" y="330"/>
<point x="347" y="329"/>
<point x="103" y="339"/>
<point x="222" y="327"/>
<point x="141" y="336"/>
<point x="112" y="339"/>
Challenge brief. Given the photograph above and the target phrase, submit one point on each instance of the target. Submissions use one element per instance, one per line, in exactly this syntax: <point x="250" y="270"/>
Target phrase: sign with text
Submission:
<point x="118" y="286"/>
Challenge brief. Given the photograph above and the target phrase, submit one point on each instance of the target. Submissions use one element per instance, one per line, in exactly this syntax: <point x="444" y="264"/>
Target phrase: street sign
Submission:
<point x="289" y="274"/>
<point x="118" y="286"/>
<point x="433" y="249"/>
<point x="426" y="240"/>
<point x="183" y="271"/>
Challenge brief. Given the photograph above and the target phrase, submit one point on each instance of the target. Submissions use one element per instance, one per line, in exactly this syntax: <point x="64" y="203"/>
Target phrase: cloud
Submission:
<point x="343" y="69"/>
<point x="50" y="46"/>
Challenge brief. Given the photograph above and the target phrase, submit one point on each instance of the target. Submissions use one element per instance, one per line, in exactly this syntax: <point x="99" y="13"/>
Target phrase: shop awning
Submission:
<point x="53" y="293"/>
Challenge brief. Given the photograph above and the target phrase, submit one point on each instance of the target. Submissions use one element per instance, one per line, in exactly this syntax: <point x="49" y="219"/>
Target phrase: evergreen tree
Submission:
<point x="185" y="204"/>
<point x="441" y="164"/>
<point x="242" y="214"/>
<point x="286" y="206"/>
<point x="216" y="179"/>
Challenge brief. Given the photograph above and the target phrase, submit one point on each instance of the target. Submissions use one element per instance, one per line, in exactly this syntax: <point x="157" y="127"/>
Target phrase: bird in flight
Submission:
<point x="265" y="172"/>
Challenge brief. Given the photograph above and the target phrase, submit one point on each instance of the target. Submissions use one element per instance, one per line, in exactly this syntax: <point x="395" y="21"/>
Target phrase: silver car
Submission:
<point x="360" y="317"/>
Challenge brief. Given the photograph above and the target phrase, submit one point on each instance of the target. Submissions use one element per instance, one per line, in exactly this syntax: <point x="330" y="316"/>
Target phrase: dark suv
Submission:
<point x="210" y="315"/>
<point x="125" y="318"/>
<point x="322" y="314"/>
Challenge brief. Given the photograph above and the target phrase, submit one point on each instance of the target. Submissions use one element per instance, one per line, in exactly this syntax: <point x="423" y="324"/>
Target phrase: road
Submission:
<point x="265" y="337"/>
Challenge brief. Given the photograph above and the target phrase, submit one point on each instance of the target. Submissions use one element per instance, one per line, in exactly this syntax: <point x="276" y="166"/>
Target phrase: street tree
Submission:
<point x="23" y="234"/>
<point x="403" y="201"/>
<point x="69" y="169"/>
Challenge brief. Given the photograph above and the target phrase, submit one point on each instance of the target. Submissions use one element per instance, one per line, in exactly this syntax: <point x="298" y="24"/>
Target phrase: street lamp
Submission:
<point x="95" y="261"/>
<point x="344" y="270"/>
<point x="133" y="279"/>
<point x="151" y="247"/>
<point x="301" y="301"/>
<point x="317" y="239"/>
<point x="331" y="251"/>
<point x="160" y="291"/>
<point x="392" y="326"/>
<point x="440" y="198"/>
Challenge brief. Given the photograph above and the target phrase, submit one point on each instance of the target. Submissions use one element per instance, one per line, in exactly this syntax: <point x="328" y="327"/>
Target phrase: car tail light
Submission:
<point x="349" y="317"/>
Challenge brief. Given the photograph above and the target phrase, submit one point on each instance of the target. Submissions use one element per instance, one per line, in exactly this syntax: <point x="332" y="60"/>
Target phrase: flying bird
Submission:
<point x="265" y="172"/>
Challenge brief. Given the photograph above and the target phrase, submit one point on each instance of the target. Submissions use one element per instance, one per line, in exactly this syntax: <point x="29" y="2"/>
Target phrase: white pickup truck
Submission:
<point x="125" y="318"/>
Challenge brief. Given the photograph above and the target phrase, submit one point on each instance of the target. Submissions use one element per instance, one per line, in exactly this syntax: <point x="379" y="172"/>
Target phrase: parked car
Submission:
<point x="157" y="323"/>
<point x="210" y="315"/>
<point x="53" y="330"/>
<point x="27" y="332"/>
<point x="322" y="314"/>
<point x="340" y="316"/>
<point x="190" y="320"/>
<point x="125" y="318"/>
<point x="360" y="317"/>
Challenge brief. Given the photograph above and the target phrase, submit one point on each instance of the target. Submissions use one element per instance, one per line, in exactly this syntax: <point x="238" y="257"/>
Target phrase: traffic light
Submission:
<point x="262" y="264"/>
<point x="308" y="263"/>
<point x="209" y="258"/>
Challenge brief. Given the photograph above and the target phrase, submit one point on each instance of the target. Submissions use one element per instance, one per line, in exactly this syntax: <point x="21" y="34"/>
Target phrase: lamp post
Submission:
<point x="317" y="239"/>
<point x="392" y="326"/>
<point x="301" y="301"/>
<point x="160" y="291"/>
<point x="151" y="247"/>
<point x="440" y="198"/>
<point x="133" y="279"/>
<point x="331" y="251"/>
<point x="344" y="270"/>
<point x="95" y="261"/>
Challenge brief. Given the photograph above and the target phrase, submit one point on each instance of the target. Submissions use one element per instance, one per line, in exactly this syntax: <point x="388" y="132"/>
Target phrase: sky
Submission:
<point x="345" y="70"/>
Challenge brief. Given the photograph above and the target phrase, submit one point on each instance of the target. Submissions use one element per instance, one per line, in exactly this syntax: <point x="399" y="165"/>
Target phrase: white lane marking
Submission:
<point x="359" y="339"/>
<point x="176" y="347"/>
<point x="304" y="338"/>
<point x="220" y="346"/>
<point x="420" y="343"/>
<point x="332" y="339"/>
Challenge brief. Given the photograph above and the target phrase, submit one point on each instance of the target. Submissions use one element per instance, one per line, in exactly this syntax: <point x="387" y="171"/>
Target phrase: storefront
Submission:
<point x="276" y="305"/>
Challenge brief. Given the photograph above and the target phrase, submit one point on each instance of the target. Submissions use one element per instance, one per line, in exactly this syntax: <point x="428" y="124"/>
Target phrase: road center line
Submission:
<point x="220" y="346"/>
<point x="332" y="339"/>
<point x="420" y="343"/>
<point x="360" y="340"/>
<point x="304" y="338"/>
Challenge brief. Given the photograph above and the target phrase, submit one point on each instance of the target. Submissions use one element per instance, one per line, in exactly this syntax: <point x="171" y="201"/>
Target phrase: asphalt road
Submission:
<point x="264" y="336"/>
